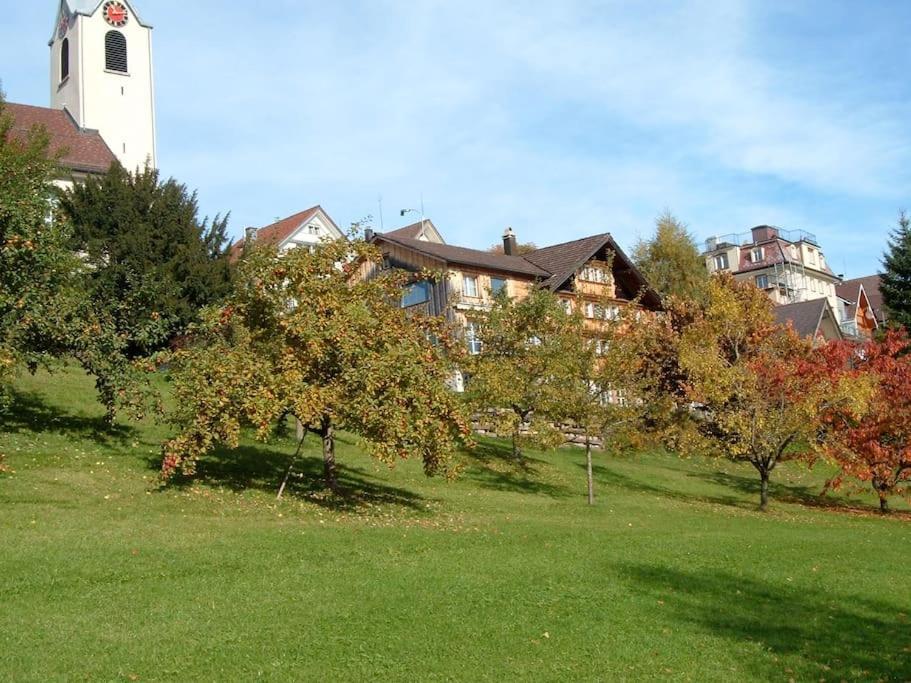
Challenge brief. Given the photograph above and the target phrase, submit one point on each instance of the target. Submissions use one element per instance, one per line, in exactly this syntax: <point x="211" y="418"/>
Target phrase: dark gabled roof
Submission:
<point x="805" y="316"/>
<point x="563" y="260"/>
<point x="83" y="150"/>
<point x="409" y="231"/>
<point x="849" y="290"/>
<point x="468" y="257"/>
<point x="414" y="231"/>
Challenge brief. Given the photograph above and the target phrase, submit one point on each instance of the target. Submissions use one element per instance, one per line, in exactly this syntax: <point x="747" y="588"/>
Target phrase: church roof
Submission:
<point x="83" y="150"/>
<point x="88" y="8"/>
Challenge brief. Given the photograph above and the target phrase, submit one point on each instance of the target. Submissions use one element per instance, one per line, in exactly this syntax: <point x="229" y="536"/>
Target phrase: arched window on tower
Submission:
<point x="65" y="59"/>
<point x="115" y="52"/>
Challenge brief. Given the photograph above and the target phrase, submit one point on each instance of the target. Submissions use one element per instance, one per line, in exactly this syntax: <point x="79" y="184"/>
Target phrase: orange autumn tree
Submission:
<point x="755" y="386"/>
<point x="872" y="441"/>
<point x="304" y="334"/>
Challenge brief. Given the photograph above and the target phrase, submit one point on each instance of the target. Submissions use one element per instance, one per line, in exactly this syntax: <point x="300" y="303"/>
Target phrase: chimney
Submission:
<point x="763" y="233"/>
<point x="510" y="245"/>
<point x="249" y="235"/>
<point x="369" y="235"/>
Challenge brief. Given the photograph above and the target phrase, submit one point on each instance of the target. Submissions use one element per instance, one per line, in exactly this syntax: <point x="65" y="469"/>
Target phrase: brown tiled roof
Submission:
<point x="849" y="290"/>
<point x="83" y="150"/>
<point x="468" y="257"/>
<point x="775" y="254"/>
<point x="804" y="316"/>
<point x="281" y="230"/>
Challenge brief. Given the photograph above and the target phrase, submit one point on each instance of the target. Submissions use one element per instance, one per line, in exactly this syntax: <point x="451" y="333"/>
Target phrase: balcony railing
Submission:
<point x="745" y="238"/>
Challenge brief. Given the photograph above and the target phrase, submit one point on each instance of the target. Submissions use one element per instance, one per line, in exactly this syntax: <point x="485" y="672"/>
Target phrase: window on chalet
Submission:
<point x="472" y="340"/>
<point x="115" y="52"/>
<point x="313" y="229"/>
<point x="757" y="254"/>
<point x="594" y="274"/>
<point x="721" y="262"/>
<point x="416" y="293"/>
<point x="497" y="285"/>
<point x="602" y="346"/>
<point x="762" y="281"/>
<point x="567" y="305"/>
<point x="599" y="312"/>
<point x="470" y="286"/>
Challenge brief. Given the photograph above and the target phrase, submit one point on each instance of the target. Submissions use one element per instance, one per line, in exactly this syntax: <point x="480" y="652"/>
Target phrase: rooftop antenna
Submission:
<point x="403" y="212"/>
<point x="380" y="202"/>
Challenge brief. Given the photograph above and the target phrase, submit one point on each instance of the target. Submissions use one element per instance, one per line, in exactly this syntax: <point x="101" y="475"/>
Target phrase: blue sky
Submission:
<point x="558" y="119"/>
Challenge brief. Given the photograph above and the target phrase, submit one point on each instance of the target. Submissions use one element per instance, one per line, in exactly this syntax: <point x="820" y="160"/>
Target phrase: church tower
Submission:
<point x="101" y="73"/>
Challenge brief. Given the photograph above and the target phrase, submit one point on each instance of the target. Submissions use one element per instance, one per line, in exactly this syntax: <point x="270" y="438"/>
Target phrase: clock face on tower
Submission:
<point x="115" y="13"/>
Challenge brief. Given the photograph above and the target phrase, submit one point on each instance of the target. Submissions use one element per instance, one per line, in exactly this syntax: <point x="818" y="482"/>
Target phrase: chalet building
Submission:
<point x="593" y="267"/>
<point x="305" y="229"/>
<point x="787" y="264"/>
<point x="814" y="320"/>
<point x="860" y="306"/>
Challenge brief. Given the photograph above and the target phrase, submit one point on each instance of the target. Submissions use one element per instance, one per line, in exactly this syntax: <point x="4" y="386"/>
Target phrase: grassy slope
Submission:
<point x="504" y="574"/>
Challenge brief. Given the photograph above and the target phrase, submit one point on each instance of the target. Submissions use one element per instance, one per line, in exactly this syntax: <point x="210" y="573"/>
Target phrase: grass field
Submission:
<point x="505" y="574"/>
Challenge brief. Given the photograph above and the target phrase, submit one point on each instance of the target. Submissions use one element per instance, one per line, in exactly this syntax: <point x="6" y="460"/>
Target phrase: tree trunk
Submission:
<point x="516" y="451"/>
<point x="591" y="480"/>
<point x="329" y="470"/>
<point x="301" y="431"/>
<point x="764" y="490"/>
<point x="883" y="504"/>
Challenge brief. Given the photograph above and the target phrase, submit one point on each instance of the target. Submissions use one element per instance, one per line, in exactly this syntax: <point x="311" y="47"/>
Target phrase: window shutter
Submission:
<point x="115" y="52"/>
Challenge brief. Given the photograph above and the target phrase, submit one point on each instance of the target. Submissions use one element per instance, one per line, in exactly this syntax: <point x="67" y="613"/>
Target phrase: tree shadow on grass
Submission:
<point x="610" y="477"/>
<point x="492" y="466"/>
<point x="808" y="496"/>
<point x="259" y="468"/>
<point x="30" y="413"/>
<point x="839" y="637"/>
<point x="747" y="488"/>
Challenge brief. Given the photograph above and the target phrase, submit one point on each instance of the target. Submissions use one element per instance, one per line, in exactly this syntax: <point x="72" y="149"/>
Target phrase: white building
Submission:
<point x="788" y="265"/>
<point x="101" y="75"/>
<point x="304" y="229"/>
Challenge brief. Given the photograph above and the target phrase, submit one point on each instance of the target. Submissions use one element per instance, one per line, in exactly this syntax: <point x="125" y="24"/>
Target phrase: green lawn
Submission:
<point x="503" y="574"/>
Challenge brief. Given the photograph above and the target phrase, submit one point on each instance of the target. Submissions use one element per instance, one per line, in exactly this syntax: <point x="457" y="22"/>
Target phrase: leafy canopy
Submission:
<point x="36" y="268"/>
<point x="515" y="380"/>
<point x="606" y="387"/>
<point x="152" y="264"/>
<point x="307" y="334"/>
<point x="871" y="441"/>
<point x="756" y="385"/>
<point x="671" y="262"/>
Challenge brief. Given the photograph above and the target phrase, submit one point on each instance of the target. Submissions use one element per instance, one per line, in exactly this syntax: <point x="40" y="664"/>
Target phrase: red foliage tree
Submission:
<point x="871" y="442"/>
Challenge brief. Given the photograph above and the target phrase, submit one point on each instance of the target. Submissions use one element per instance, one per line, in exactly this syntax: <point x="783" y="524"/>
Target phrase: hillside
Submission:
<point x="505" y="573"/>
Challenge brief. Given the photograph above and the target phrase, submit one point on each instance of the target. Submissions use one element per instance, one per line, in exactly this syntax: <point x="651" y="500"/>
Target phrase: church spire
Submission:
<point x="101" y="73"/>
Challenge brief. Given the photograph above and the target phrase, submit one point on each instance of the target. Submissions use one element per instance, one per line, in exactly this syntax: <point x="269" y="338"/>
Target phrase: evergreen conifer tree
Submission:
<point x="895" y="283"/>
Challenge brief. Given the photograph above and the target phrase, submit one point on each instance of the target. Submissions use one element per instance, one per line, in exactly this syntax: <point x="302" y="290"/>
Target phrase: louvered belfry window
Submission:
<point x="115" y="52"/>
<point x="65" y="59"/>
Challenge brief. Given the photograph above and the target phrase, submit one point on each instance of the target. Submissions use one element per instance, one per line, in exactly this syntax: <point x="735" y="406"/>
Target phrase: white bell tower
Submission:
<point x="101" y="73"/>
